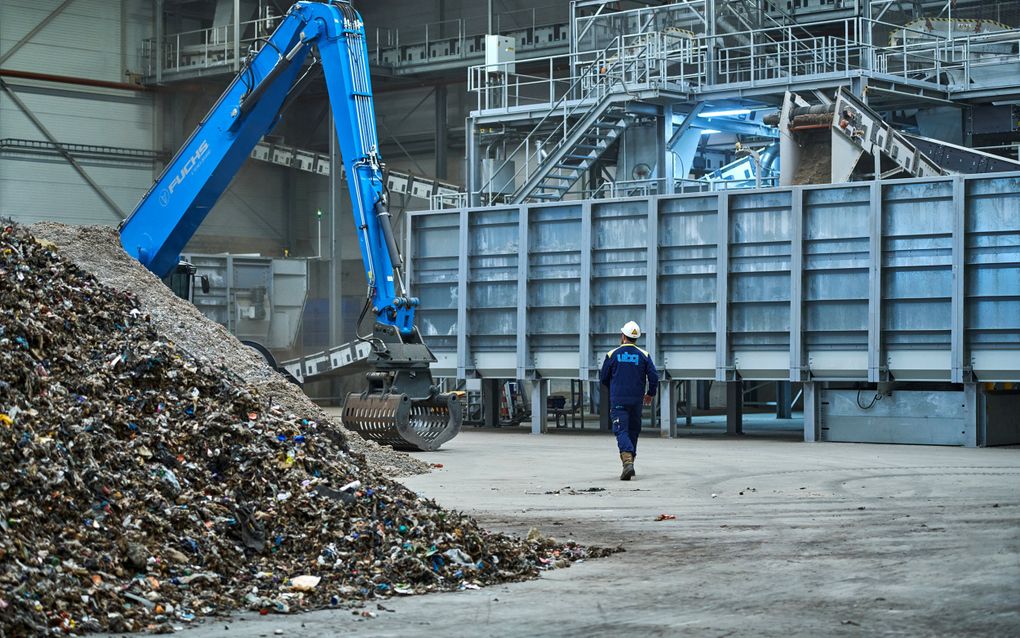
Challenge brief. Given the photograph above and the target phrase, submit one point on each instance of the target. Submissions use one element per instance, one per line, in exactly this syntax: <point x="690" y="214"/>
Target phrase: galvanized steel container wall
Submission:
<point x="909" y="280"/>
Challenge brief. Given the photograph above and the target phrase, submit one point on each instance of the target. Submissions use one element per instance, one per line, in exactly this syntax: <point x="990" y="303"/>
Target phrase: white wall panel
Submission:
<point x="84" y="40"/>
<point x="107" y="118"/>
<point x="89" y="39"/>
<point x="48" y="187"/>
<point x="37" y="189"/>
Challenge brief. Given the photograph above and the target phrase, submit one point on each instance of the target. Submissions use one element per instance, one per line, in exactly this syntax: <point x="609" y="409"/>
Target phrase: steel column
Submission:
<point x="237" y="35"/>
<point x="704" y="392"/>
<point x="442" y="140"/>
<point x="689" y="402"/>
<point x="160" y="27"/>
<point x="797" y="284"/>
<point x="734" y="408"/>
<point x="587" y="357"/>
<point x="875" y="362"/>
<point x="462" y="293"/>
<point x="958" y="305"/>
<point x="710" y="40"/>
<point x="231" y="320"/>
<point x="812" y="413"/>
<point x="490" y="402"/>
<point x="652" y="278"/>
<point x="472" y="176"/>
<point x="522" y="292"/>
<point x="784" y="399"/>
<point x="63" y="151"/>
<point x="664" y="129"/>
<point x="539" y="406"/>
<point x="972" y="414"/>
<point x="722" y="280"/>
<point x="667" y="408"/>
<point x="335" y="261"/>
<point x="123" y="39"/>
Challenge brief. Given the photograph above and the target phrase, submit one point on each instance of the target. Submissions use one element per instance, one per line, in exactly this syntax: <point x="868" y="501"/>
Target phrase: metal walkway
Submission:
<point x="681" y="55"/>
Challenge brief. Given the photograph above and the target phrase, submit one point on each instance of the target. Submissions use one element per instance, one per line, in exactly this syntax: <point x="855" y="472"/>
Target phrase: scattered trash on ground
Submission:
<point x="142" y="487"/>
<point x="573" y="492"/>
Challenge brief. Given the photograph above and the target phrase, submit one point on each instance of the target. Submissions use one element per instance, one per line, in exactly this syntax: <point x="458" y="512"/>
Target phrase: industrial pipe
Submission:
<point x="67" y="79"/>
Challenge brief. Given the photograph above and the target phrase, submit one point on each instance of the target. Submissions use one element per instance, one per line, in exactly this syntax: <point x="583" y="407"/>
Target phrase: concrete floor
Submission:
<point x="826" y="539"/>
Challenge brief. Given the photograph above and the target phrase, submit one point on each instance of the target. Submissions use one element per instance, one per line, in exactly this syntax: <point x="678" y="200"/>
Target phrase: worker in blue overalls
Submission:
<point x="630" y="375"/>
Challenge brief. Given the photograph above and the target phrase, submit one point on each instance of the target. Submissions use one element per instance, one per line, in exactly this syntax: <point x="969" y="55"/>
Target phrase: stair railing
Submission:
<point x="585" y="88"/>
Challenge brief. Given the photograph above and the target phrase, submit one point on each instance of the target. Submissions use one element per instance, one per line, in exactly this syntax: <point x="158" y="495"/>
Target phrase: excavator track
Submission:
<point x="401" y="422"/>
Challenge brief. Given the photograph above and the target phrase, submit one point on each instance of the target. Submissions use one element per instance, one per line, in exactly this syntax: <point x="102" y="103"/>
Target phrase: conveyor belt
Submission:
<point x="342" y="360"/>
<point x="318" y="163"/>
<point x="825" y="143"/>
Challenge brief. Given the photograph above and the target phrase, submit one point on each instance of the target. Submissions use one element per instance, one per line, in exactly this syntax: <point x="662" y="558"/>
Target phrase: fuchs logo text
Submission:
<point x="193" y="162"/>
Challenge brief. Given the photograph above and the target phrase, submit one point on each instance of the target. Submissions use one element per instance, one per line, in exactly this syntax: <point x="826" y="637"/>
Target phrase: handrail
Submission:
<point x="552" y="110"/>
<point x="622" y="64"/>
<point x="616" y="69"/>
<point x="766" y="54"/>
<point x="222" y="40"/>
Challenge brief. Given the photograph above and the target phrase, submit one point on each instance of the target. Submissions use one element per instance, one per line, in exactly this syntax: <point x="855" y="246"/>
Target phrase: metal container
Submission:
<point x="908" y="280"/>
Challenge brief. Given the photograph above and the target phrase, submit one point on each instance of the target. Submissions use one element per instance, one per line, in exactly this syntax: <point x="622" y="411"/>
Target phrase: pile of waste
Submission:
<point x="141" y="488"/>
<point x="97" y="250"/>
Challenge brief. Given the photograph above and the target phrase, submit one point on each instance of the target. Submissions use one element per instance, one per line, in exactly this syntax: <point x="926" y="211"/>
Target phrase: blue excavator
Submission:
<point x="402" y="405"/>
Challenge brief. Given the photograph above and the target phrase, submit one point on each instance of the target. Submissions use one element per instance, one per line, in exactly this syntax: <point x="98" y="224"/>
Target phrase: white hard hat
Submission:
<point x="631" y="330"/>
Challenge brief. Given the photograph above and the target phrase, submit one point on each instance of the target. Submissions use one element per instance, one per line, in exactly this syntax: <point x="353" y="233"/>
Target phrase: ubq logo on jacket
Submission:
<point x="625" y="370"/>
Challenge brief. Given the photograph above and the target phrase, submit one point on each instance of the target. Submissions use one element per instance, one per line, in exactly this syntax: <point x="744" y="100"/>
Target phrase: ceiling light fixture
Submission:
<point x="726" y="113"/>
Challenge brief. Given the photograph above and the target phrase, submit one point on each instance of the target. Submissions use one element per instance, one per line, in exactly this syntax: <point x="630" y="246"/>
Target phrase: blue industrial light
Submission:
<point x="727" y="113"/>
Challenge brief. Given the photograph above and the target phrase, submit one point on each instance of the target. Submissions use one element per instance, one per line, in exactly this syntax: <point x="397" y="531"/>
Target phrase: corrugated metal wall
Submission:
<point x="907" y="280"/>
<point x="47" y="187"/>
<point x="93" y="39"/>
<point x="251" y="216"/>
<point x="101" y="40"/>
<point x="84" y="40"/>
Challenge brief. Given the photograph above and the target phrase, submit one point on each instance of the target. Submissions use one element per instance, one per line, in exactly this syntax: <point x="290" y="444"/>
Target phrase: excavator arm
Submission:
<point x="402" y="405"/>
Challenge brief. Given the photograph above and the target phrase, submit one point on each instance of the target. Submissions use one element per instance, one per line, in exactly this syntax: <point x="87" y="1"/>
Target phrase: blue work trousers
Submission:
<point x="626" y="421"/>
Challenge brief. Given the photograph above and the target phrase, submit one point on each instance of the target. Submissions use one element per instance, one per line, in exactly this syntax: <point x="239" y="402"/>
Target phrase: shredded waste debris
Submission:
<point x="574" y="492"/>
<point x="97" y="250"/>
<point x="142" y="488"/>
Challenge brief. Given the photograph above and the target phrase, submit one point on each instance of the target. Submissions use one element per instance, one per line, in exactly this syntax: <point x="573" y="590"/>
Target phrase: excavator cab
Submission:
<point x="182" y="280"/>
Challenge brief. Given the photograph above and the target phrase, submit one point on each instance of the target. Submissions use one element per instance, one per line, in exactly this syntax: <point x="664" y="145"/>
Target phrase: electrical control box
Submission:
<point x="499" y="54"/>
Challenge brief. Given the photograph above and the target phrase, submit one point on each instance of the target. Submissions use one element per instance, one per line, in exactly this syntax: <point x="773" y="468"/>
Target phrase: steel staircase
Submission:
<point x="579" y="126"/>
<point x="583" y="143"/>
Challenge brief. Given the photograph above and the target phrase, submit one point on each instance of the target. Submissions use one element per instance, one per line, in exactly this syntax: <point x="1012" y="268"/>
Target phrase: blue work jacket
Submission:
<point x="625" y="371"/>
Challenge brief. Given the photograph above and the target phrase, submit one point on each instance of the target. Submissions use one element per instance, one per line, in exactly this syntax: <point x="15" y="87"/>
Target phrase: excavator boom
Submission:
<point x="402" y="405"/>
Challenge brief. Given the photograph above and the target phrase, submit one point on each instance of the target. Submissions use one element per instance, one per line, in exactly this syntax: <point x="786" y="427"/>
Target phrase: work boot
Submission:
<point x="628" y="466"/>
